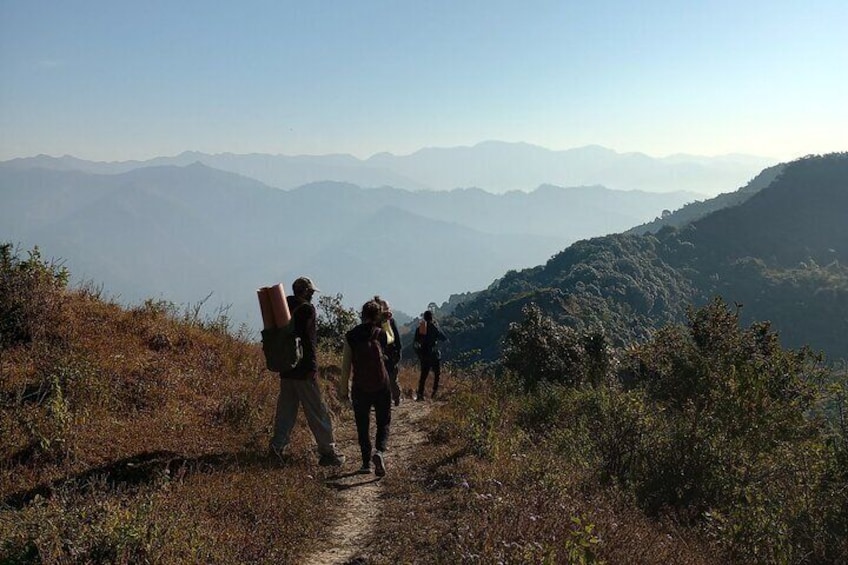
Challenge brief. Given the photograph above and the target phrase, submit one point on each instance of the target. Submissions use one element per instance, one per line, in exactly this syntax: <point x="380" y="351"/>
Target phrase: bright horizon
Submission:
<point x="106" y="82"/>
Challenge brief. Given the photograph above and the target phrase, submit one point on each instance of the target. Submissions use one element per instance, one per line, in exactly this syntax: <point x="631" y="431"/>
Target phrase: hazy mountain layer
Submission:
<point x="493" y="166"/>
<point x="179" y="233"/>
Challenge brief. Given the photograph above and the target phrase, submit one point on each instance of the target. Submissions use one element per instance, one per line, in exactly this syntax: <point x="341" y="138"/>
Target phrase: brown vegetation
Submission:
<point x="139" y="435"/>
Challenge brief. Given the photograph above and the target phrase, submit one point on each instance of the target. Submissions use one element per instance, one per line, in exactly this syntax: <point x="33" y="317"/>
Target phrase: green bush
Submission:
<point x="537" y="349"/>
<point x="713" y="423"/>
<point x="741" y="442"/>
<point x="30" y="296"/>
<point x="334" y="320"/>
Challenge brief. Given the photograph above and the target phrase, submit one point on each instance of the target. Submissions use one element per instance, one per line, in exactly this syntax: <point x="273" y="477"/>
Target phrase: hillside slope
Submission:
<point x="782" y="254"/>
<point x="697" y="210"/>
<point x="138" y="435"/>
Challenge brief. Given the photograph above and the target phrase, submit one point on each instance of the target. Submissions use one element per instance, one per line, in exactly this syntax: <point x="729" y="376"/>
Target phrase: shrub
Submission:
<point x="538" y="349"/>
<point x="334" y="320"/>
<point x="30" y="296"/>
<point x="739" y="442"/>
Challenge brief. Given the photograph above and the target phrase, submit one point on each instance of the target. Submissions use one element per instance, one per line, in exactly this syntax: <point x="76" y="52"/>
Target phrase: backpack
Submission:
<point x="282" y="347"/>
<point x="425" y="345"/>
<point x="369" y="368"/>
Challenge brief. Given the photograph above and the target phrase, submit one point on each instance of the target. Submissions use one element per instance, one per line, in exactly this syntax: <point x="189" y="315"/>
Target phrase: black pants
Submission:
<point x="392" y="369"/>
<point x="428" y="363"/>
<point x="363" y="401"/>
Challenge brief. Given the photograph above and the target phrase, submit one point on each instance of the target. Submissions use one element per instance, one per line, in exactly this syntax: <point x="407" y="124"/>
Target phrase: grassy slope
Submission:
<point x="483" y="491"/>
<point x="133" y="436"/>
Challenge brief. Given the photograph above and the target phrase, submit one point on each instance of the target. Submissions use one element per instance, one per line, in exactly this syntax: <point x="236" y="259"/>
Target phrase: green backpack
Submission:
<point x="282" y="347"/>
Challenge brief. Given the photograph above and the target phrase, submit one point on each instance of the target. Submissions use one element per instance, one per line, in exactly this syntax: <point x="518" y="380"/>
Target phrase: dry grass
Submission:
<point x="140" y="436"/>
<point x="479" y="492"/>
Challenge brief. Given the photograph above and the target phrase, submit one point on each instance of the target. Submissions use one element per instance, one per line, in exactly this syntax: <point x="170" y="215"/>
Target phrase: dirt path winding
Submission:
<point x="359" y="496"/>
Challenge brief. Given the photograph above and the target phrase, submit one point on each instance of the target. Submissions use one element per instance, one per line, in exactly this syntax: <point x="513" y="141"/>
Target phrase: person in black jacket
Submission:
<point x="369" y="386"/>
<point x="393" y="349"/>
<point x="426" y="345"/>
<point x="300" y="385"/>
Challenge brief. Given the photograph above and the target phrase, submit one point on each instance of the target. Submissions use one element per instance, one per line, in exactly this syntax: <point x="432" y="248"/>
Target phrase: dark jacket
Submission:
<point x="304" y="317"/>
<point x="365" y="369"/>
<point x="427" y="345"/>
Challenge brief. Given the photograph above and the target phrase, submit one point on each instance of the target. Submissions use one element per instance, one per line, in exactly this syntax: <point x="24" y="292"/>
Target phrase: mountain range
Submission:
<point x="777" y="251"/>
<point x="180" y="232"/>
<point x="494" y="166"/>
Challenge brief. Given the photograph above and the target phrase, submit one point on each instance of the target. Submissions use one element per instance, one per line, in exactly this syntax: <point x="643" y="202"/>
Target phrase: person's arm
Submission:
<point x="344" y="381"/>
<point x="439" y="335"/>
<point x="398" y="344"/>
<point x="310" y="342"/>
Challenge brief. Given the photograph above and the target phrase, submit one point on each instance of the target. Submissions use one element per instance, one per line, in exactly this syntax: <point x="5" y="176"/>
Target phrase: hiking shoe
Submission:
<point x="379" y="464"/>
<point x="331" y="460"/>
<point x="364" y="470"/>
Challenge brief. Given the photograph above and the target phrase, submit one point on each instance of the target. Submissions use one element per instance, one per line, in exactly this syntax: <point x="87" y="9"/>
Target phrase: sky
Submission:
<point x="115" y="80"/>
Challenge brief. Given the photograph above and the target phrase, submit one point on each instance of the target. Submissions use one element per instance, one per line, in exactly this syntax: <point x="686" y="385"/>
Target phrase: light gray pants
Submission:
<point x="293" y="392"/>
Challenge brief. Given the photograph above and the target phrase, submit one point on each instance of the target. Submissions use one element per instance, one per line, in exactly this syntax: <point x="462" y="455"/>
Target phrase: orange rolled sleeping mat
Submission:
<point x="275" y="309"/>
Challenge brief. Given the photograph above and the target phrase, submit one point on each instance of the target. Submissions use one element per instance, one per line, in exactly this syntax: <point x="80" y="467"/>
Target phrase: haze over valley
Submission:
<point x="178" y="233"/>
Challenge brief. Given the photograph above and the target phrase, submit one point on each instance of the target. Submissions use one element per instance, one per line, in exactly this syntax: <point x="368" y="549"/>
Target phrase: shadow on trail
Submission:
<point x="140" y="469"/>
<point x="333" y="484"/>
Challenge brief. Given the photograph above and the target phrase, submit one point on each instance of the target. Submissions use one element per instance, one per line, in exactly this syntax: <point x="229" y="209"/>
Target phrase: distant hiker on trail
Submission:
<point x="393" y="351"/>
<point x="363" y="354"/>
<point x="426" y="345"/>
<point x="300" y="385"/>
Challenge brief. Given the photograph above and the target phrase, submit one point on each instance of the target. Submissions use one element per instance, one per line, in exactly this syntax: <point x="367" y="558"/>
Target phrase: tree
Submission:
<point x="334" y="320"/>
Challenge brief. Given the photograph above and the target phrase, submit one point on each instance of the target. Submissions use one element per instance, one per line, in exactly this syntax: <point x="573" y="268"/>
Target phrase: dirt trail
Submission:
<point x="358" y="502"/>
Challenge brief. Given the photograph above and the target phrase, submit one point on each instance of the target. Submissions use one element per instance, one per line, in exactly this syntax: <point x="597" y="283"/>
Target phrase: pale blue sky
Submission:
<point x="112" y="80"/>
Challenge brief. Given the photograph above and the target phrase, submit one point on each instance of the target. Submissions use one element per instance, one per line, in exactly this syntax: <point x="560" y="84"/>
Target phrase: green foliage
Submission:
<point x="713" y="423"/>
<point x="482" y="431"/>
<point x="537" y="349"/>
<point x="30" y="296"/>
<point x="334" y="320"/>
<point x="580" y="545"/>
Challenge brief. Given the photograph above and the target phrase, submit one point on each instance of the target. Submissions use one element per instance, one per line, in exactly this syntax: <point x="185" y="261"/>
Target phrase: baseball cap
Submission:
<point x="304" y="283"/>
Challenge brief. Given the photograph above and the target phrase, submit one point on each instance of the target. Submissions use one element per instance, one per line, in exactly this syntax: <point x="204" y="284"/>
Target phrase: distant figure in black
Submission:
<point x="426" y="345"/>
<point x="369" y="384"/>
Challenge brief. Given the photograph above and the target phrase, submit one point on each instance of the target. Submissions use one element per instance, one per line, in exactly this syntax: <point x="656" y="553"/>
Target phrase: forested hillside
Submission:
<point x="781" y="256"/>
<point x="697" y="210"/>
